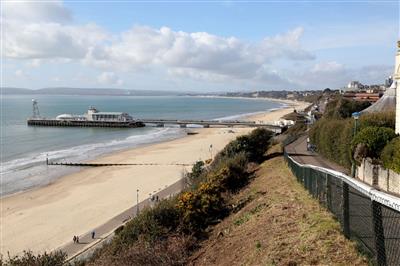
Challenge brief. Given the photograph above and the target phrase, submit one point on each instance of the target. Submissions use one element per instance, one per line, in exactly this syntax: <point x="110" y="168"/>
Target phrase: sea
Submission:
<point x="24" y="149"/>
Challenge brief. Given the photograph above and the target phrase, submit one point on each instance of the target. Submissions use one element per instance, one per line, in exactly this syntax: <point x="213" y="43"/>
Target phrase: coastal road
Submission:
<point x="298" y="151"/>
<point x="105" y="231"/>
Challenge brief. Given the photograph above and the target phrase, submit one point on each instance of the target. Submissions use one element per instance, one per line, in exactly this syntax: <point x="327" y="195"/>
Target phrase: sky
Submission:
<point x="202" y="46"/>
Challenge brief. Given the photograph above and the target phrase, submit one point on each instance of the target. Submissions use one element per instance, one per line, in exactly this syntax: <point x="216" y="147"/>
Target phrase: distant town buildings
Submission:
<point x="354" y="86"/>
<point x="357" y="91"/>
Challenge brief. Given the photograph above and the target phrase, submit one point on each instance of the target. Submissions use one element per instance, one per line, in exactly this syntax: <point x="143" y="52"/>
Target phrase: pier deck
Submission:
<point x="211" y="123"/>
<point x="82" y="123"/>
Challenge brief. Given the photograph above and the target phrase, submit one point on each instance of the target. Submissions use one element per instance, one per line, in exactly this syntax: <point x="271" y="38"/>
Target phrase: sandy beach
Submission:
<point x="46" y="218"/>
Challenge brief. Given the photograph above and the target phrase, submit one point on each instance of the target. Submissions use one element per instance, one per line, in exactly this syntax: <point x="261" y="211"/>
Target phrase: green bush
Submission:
<point x="231" y="174"/>
<point x="374" y="138"/>
<point x="343" y="108"/>
<point x="383" y="119"/>
<point x="28" y="259"/>
<point x="254" y="145"/>
<point x="391" y="155"/>
<point x="332" y="138"/>
<point x="194" y="177"/>
<point x="150" y="224"/>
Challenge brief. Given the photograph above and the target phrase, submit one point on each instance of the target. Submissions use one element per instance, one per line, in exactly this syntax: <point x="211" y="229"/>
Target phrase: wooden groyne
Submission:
<point x="83" y="123"/>
<point x="113" y="164"/>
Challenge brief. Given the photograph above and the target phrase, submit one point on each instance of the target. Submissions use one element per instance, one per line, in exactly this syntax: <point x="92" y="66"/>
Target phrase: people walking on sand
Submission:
<point x="77" y="239"/>
<point x="93" y="234"/>
<point x="74" y="239"/>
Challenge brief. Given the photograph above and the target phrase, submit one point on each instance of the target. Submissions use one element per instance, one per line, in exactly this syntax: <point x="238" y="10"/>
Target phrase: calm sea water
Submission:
<point x="24" y="149"/>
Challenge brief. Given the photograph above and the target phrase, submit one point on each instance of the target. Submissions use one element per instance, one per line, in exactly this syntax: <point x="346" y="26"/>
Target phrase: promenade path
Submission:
<point x="298" y="151"/>
<point x="106" y="230"/>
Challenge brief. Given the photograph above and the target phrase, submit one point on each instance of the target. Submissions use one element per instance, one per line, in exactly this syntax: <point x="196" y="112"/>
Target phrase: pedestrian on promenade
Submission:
<point x="74" y="238"/>
<point x="77" y="239"/>
<point x="93" y="234"/>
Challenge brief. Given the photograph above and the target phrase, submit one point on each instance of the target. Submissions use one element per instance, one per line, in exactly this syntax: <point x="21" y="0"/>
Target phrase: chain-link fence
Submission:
<point x="369" y="216"/>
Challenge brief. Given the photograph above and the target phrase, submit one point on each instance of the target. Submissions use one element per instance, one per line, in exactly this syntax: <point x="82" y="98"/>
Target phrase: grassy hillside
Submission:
<point x="280" y="225"/>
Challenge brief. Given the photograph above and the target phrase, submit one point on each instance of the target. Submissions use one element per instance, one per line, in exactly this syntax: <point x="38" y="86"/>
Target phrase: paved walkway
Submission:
<point x="298" y="151"/>
<point x="102" y="232"/>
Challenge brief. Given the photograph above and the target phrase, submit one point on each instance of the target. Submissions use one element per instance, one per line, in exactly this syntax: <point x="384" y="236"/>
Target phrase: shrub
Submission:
<point x="253" y="145"/>
<point x="343" y="108"/>
<point x="332" y="138"/>
<point x="197" y="171"/>
<point x="391" y="155"/>
<point x="28" y="259"/>
<point x="175" y="249"/>
<point x="231" y="174"/>
<point x="383" y="119"/>
<point x="201" y="206"/>
<point x="374" y="138"/>
<point x="150" y="224"/>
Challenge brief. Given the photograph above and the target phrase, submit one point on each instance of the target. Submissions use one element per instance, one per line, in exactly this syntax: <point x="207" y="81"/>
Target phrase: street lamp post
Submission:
<point x="137" y="201"/>
<point x="356" y="116"/>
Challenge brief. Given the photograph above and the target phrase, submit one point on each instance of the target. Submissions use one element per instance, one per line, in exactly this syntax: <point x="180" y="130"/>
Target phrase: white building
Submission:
<point x="354" y="86"/>
<point x="94" y="115"/>
<point x="396" y="78"/>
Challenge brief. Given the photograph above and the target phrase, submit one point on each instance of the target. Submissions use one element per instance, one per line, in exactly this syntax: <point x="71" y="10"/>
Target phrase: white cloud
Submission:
<point x="335" y="75"/>
<point x="331" y="66"/>
<point x="42" y="32"/>
<point x="20" y="74"/>
<point x="109" y="78"/>
<point x="372" y="73"/>
<point x="50" y="40"/>
<point x="39" y="33"/>
<point x="35" y="11"/>
<point x="199" y="55"/>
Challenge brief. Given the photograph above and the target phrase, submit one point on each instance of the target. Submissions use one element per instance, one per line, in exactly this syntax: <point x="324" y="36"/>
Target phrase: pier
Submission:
<point x="95" y="118"/>
<point x="151" y="122"/>
<point x="212" y="123"/>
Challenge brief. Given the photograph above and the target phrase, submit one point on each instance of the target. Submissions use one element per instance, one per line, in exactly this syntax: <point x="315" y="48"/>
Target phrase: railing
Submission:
<point x="367" y="215"/>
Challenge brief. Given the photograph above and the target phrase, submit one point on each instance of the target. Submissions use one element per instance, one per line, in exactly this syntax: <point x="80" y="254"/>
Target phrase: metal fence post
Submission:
<point x="379" y="236"/>
<point x="345" y="209"/>
<point x="327" y="191"/>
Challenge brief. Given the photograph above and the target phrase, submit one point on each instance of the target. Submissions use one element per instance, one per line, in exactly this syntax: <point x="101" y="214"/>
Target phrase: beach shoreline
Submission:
<point x="78" y="202"/>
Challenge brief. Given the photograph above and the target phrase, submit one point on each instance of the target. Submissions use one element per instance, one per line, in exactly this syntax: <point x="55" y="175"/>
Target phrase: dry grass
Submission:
<point x="280" y="225"/>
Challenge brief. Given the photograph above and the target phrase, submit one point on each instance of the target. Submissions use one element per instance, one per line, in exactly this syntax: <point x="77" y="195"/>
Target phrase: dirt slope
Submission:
<point x="280" y="225"/>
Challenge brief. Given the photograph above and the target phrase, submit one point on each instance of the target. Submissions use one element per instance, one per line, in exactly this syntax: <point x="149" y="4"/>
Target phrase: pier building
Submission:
<point x="93" y="118"/>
